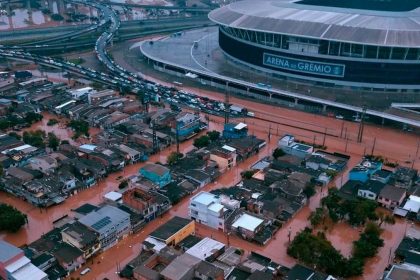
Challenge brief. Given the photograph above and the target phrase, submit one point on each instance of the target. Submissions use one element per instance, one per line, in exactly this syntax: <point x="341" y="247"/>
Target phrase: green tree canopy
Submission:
<point x="202" y="141"/>
<point x="53" y="141"/>
<point x="11" y="219"/>
<point x="278" y="153"/>
<point x="213" y="135"/>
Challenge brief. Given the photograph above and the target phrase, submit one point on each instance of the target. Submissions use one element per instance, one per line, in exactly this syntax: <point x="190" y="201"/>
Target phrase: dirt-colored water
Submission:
<point x="105" y="265"/>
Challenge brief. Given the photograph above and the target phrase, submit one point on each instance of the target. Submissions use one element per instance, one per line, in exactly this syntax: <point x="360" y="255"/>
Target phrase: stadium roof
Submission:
<point x="362" y="26"/>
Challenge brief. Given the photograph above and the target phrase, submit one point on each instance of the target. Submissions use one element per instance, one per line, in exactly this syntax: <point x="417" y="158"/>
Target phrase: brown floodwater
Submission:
<point x="341" y="235"/>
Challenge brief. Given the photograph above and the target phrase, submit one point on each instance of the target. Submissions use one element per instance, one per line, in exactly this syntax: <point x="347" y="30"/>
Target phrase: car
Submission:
<point x="85" y="271"/>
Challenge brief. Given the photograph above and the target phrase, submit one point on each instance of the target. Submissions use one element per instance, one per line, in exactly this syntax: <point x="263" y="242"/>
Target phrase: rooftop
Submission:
<point x="395" y="23"/>
<point x="155" y="168"/>
<point x="80" y="233"/>
<point x="170" y="228"/>
<point x="8" y="251"/>
<point x="392" y="193"/>
<point x="104" y="218"/>
<point x="247" y="222"/>
<point x="179" y="267"/>
<point x="205" y="248"/>
<point x="204" y="198"/>
<point x="85" y="209"/>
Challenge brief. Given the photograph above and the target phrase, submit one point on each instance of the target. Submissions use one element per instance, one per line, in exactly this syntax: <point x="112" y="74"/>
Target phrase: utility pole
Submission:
<point x="177" y="138"/>
<point x="227" y="104"/>
<point x="361" y="126"/>
<point x="373" y="147"/>
<point x="154" y="138"/>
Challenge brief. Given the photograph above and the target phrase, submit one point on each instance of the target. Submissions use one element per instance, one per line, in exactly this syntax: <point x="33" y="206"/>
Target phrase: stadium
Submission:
<point x="366" y="44"/>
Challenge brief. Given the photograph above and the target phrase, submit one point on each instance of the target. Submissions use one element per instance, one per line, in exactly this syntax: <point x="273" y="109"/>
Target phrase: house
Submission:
<point x="8" y="142"/>
<point x="150" y="204"/>
<point x="247" y="225"/>
<point x="206" y="208"/>
<point x="134" y="155"/>
<point x="15" y="265"/>
<point x="113" y="198"/>
<point x="300" y="272"/>
<point x="20" y="174"/>
<point x="158" y="174"/>
<point x="163" y="118"/>
<point x="44" y="261"/>
<point x="247" y="146"/>
<point x="391" y="196"/>
<point x="207" y="249"/>
<point x="153" y="263"/>
<point x="225" y="157"/>
<point x="181" y="268"/>
<point x="68" y="256"/>
<point x="187" y="124"/>
<point x="404" y="177"/>
<point x="83" y="210"/>
<point x="382" y="175"/>
<point x="412" y="206"/>
<point x="43" y="192"/>
<point x="289" y="146"/>
<point x="173" y="231"/>
<point x="364" y="170"/>
<point x="95" y="98"/>
<point x="317" y="162"/>
<point x="109" y="222"/>
<point x="46" y="164"/>
<point x="370" y="190"/>
<point x="208" y="271"/>
<point x="408" y="250"/>
<point x="198" y="176"/>
<point x="402" y="271"/>
<point x="113" y="119"/>
<point x="350" y="189"/>
<point x="81" y="92"/>
<point x="235" y="131"/>
<point x="81" y="237"/>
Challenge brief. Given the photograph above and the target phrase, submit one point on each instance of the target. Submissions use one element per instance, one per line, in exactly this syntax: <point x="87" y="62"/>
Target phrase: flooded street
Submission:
<point x="304" y="126"/>
<point x="341" y="235"/>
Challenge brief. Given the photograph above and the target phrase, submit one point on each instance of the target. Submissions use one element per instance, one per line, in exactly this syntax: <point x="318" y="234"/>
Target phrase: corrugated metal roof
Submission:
<point x="330" y="23"/>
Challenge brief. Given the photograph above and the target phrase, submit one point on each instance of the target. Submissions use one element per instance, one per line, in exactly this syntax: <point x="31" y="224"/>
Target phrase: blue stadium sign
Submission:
<point x="305" y="66"/>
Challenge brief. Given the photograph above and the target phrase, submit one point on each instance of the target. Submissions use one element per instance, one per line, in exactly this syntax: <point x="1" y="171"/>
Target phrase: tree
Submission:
<point x="52" y="122"/>
<point x="317" y="216"/>
<point x="123" y="184"/>
<point x="278" y="153"/>
<point x="11" y="219"/>
<point x="32" y="117"/>
<point x="385" y="218"/>
<point x="369" y="242"/>
<point x="248" y="174"/>
<point x="53" y="141"/>
<point x="317" y="251"/>
<point x="213" y="135"/>
<point x="34" y="138"/>
<point x="354" y="267"/>
<point x="1" y="170"/>
<point x="14" y="134"/>
<point x="80" y="127"/>
<point x="202" y="141"/>
<point x="309" y="190"/>
<point x="173" y="158"/>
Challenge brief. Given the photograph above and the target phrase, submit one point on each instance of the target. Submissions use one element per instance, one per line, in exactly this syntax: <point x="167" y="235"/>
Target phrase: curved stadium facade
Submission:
<point x="368" y="44"/>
